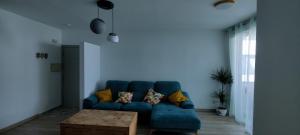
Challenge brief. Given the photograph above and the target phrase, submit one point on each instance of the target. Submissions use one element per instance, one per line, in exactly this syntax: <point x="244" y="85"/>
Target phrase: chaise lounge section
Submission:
<point x="162" y="116"/>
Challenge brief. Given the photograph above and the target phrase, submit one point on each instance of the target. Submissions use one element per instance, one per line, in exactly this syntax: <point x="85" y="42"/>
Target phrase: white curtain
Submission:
<point x="242" y="47"/>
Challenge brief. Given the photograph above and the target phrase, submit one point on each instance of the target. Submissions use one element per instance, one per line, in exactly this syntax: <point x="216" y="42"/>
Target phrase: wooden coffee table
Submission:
<point x="99" y="122"/>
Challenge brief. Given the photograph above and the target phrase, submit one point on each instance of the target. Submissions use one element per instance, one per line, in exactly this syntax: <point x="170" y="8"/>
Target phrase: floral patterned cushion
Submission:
<point x="124" y="97"/>
<point x="153" y="97"/>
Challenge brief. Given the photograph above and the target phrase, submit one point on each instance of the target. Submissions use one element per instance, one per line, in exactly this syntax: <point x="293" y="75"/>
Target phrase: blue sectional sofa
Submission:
<point x="162" y="116"/>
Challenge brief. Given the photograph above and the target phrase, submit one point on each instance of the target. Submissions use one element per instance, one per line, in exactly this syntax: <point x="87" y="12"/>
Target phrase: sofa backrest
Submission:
<point x="167" y="87"/>
<point x="116" y="87"/>
<point x="140" y="89"/>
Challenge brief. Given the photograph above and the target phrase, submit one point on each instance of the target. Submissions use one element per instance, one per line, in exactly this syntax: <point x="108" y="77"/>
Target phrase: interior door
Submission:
<point x="71" y="93"/>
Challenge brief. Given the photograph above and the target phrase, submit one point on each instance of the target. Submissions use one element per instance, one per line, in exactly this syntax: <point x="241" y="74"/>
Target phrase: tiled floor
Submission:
<point x="48" y="124"/>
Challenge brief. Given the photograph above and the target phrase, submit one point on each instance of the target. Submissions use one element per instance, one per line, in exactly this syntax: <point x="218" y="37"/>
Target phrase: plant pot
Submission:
<point x="222" y="111"/>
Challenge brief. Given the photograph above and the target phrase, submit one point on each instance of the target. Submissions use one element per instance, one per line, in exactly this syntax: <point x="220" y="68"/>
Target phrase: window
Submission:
<point x="248" y="57"/>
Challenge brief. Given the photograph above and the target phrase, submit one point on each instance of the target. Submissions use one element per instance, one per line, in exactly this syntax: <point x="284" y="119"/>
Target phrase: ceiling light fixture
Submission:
<point x="112" y="37"/>
<point x="97" y="25"/>
<point x="224" y="4"/>
<point x="105" y="4"/>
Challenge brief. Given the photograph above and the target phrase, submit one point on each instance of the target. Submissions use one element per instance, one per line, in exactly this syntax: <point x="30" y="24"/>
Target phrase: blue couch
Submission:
<point x="162" y="116"/>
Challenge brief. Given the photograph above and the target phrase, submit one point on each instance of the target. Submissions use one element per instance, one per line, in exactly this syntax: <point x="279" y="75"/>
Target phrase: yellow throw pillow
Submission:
<point x="177" y="97"/>
<point x="104" y="95"/>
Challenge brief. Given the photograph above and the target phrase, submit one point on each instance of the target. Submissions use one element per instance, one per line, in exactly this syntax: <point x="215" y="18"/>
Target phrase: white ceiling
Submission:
<point x="134" y="14"/>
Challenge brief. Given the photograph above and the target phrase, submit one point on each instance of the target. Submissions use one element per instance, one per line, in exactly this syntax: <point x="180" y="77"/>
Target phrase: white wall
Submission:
<point x="184" y="55"/>
<point x="277" y="89"/>
<point x="89" y="69"/>
<point x="27" y="87"/>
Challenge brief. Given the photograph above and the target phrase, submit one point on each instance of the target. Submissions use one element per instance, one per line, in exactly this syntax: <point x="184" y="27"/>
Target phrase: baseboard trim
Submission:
<point x="206" y="110"/>
<point x="3" y="130"/>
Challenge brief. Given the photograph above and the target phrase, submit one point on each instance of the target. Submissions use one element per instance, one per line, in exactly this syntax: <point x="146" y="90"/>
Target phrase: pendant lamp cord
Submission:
<point x="98" y="12"/>
<point x="112" y="20"/>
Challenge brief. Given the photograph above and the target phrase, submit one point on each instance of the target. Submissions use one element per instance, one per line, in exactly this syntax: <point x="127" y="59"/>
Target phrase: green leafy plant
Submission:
<point x="224" y="77"/>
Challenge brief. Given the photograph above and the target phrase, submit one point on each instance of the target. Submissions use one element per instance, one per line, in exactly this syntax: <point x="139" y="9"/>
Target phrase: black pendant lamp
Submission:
<point x="97" y="25"/>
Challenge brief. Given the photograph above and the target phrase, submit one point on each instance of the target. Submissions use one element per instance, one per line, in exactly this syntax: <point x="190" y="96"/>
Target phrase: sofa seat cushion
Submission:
<point x="169" y="116"/>
<point x="116" y="87"/>
<point x="107" y="106"/>
<point x="188" y="104"/>
<point x="140" y="89"/>
<point x="137" y="106"/>
<point x="167" y="87"/>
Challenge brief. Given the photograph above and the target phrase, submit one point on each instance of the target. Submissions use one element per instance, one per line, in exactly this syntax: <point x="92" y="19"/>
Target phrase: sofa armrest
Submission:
<point x="89" y="102"/>
<point x="187" y="104"/>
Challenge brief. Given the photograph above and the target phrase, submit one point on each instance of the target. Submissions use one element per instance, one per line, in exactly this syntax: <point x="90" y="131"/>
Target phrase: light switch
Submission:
<point x="55" y="67"/>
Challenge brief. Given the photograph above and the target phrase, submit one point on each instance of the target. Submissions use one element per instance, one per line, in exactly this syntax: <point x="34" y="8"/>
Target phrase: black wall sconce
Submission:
<point x="42" y="55"/>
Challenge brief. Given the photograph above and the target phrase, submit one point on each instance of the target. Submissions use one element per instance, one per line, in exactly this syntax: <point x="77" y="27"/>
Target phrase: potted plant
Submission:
<point x="224" y="77"/>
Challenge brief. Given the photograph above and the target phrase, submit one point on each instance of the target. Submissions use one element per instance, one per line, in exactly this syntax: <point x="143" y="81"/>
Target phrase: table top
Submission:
<point x="101" y="118"/>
